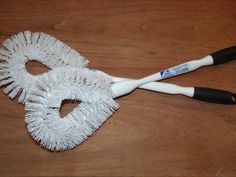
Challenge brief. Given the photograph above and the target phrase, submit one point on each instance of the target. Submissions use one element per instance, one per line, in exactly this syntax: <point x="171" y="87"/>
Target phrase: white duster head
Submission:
<point x="43" y="104"/>
<point x="26" y="46"/>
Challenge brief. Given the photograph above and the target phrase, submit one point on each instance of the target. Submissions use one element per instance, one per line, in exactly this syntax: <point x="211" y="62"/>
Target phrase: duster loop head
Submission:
<point x="26" y="46"/>
<point x="44" y="100"/>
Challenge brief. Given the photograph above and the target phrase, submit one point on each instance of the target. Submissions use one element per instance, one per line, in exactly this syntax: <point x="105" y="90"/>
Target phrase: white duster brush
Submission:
<point x="43" y="119"/>
<point x="27" y="46"/>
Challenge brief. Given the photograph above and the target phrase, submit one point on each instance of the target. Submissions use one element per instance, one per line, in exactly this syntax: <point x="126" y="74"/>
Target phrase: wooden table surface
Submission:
<point x="152" y="134"/>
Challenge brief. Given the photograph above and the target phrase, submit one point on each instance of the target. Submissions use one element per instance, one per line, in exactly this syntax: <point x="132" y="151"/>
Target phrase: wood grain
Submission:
<point x="152" y="134"/>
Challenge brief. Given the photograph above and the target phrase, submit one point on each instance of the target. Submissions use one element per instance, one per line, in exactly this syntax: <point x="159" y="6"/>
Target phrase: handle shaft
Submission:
<point x="218" y="57"/>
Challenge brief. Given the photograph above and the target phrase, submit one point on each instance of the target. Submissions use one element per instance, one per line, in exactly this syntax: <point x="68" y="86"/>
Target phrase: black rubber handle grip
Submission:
<point x="214" y="96"/>
<point x="224" y="55"/>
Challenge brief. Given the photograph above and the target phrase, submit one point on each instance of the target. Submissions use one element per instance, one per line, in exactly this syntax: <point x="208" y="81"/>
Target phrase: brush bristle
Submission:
<point x="43" y="104"/>
<point x="27" y="46"/>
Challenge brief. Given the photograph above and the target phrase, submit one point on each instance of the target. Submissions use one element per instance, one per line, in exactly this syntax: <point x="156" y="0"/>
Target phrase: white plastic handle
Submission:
<point x="162" y="87"/>
<point x="179" y="69"/>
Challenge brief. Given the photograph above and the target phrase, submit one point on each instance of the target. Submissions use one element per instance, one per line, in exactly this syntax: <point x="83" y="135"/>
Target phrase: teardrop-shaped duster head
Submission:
<point x="27" y="46"/>
<point x="91" y="88"/>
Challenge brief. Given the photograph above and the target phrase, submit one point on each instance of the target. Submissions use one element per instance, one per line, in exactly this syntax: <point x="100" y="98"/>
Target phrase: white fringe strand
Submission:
<point x="27" y="46"/>
<point x="44" y="100"/>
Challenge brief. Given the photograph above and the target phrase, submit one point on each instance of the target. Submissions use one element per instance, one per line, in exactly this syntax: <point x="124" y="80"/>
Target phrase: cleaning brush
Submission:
<point x="27" y="46"/>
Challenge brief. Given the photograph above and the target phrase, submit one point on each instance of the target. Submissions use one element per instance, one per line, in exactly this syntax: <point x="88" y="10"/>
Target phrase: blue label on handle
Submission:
<point x="177" y="70"/>
<point x="166" y="73"/>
